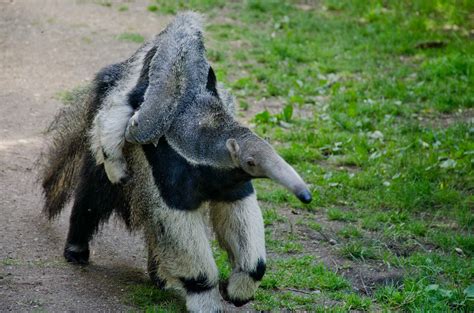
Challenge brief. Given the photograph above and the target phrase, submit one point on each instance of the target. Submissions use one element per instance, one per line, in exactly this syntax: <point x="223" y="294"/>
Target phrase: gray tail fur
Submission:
<point x="61" y="163"/>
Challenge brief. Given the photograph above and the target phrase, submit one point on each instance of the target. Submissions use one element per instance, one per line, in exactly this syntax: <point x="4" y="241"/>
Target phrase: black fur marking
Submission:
<point x="211" y="82"/>
<point x="259" y="271"/>
<point x="95" y="200"/>
<point x="107" y="78"/>
<point x="106" y="156"/>
<point x="197" y="285"/>
<point x="104" y="81"/>
<point x="256" y="275"/>
<point x="137" y="95"/>
<point x="146" y="63"/>
<point x="77" y="257"/>
<point x="184" y="186"/>
<point x="157" y="281"/>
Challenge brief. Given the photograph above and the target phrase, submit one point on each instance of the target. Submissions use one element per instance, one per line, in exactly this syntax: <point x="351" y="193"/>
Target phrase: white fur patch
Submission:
<point x="208" y="301"/>
<point x="116" y="170"/>
<point x="107" y="134"/>
<point x="183" y="248"/>
<point x="75" y="248"/>
<point x="239" y="229"/>
<point x="239" y="221"/>
<point x="241" y="286"/>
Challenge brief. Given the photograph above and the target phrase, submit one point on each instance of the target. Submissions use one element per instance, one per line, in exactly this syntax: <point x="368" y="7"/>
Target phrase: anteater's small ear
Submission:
<point x="234" y="150"/>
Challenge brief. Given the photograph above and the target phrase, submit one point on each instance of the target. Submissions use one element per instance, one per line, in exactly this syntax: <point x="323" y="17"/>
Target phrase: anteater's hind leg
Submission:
<point x="95" y="199"/>
<point x="153" y="269"/>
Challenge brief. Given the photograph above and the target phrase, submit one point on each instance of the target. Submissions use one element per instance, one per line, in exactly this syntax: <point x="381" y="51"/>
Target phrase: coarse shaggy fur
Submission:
<point x="186" y="155"/>
<point x="68" y="141"/>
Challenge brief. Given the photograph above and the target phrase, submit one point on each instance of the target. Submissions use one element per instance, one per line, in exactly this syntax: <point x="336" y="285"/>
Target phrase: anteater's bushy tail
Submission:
<point x="61" y="163"/>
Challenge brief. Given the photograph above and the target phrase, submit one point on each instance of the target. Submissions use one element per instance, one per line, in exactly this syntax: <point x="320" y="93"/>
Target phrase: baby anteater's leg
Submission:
<point x="239" y="229"/>
<point x="108" y="138"/>
<point x="184" y="258"/>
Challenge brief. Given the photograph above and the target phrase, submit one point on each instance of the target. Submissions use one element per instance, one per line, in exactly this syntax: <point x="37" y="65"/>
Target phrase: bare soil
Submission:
<point x="47" y="47"/>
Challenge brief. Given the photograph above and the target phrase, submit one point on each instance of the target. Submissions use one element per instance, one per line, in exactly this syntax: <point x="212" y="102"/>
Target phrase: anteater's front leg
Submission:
<point x="184" y="258"/>
<point x="239" y="229"/>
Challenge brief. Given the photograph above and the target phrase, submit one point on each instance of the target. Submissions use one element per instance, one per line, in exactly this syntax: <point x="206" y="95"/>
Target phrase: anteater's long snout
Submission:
<point x="281" y="172"/>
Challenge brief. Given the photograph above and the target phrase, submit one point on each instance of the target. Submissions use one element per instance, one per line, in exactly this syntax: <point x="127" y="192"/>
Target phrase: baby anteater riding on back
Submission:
<point x="154" y="140"/>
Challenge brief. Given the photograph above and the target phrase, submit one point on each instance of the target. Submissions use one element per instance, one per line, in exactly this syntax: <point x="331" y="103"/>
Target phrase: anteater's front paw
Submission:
<point x="116" y="171"/>
<point x="225" y="295"/>
<point x="75" y="255"/>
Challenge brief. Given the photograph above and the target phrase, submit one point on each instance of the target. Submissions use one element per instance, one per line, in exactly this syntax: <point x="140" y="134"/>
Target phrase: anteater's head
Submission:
<point x="256" y="157"/>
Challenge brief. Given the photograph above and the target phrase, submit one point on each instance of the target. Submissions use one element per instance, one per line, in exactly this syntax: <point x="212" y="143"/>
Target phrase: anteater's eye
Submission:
<point x="250" y="162"/>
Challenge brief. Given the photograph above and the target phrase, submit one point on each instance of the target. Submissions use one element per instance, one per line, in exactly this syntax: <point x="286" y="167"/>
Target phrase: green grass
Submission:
<point x="339" y="215"/>
<point x="67" y="97"/>
<point x="152" y="8"/>
<point x="358" y="251"/>
<point x="350" y="232"/>
<point x="123" y="8"/>
<point x="153" y="300"/>
<point x="172" y="7"/>
<point x="132" y="37"/>
<point x="104" y="3"/>
<point x="385" y="142"/>
<point x="301" y="272"/>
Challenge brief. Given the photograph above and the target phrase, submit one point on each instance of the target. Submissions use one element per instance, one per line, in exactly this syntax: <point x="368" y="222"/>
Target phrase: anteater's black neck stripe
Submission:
<point x="184" y="186"/>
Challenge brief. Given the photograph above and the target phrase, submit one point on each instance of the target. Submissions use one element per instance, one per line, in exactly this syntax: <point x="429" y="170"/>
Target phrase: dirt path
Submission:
<point x="47" y="47"/>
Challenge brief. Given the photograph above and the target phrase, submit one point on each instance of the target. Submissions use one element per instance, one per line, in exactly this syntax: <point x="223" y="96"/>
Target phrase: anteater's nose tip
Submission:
<point x="305" y="196"/>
